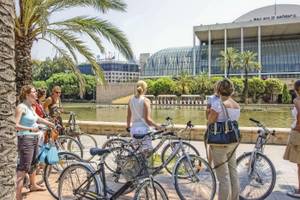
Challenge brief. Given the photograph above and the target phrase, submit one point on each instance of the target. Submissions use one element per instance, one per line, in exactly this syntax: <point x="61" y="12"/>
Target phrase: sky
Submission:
<point x="152" y="25"/>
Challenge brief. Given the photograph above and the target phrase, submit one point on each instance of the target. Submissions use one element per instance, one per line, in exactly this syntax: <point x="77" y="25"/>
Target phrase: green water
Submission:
<point x="271" y="116"/>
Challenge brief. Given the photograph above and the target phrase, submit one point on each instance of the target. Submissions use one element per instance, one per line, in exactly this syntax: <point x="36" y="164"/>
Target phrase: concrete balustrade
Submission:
<point x="249" y="134"/>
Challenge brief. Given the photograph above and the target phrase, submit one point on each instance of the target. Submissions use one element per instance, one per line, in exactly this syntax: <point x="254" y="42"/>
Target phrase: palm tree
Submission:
<point x="8" y="152"/>
<point x="228" y="59"/>
<point x="33" y="24"/>
<point x="183" y="83"/>
<point x="247" y="62"/>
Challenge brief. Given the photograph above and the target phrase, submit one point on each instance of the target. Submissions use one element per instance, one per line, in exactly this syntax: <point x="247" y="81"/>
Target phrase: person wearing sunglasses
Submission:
<point x="53" y="106"/>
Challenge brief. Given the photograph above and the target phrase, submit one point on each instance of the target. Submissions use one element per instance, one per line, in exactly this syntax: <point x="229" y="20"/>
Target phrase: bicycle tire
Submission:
<point x="72" y="145"/>
<point x="144" y="188"/>
<point x="52" y="172"/>
<point x="87" y="142"/>
<point x="203" y="185"/>
<point x="254" y="183"/>
<point x="119" y="170"/>
<point x="171" y="146"/>
<point x="70" y="175"/>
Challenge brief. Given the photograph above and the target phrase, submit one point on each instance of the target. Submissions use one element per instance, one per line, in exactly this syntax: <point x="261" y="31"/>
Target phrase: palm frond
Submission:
<point x="101" y="5"/>
<point x="101" y="28"/>
<point x="67" y="60"/>
<point x="71" y="41"/>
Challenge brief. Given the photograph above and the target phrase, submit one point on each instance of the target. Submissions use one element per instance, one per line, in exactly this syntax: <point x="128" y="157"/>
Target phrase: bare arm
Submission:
<point x="128" y="116"/>
<point x="212" y="116"/>
<point x="297" y="105"/>
<point x="147" y="115"/>
<point x="44" y="121"/>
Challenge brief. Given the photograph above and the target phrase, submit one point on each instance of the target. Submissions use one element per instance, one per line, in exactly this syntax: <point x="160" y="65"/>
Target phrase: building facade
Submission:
<point x="273" y="32"/>
<point x="115" y="71"/>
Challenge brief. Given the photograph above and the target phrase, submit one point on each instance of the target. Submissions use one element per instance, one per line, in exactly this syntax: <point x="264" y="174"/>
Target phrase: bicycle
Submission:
<point x="86" y="141"/>
<point x="170" y="139"/>
<point x="256" y="171"/>
<point x="189" y="169"/>
<point x="50" y="173"/>
<point x="82" y="181"/>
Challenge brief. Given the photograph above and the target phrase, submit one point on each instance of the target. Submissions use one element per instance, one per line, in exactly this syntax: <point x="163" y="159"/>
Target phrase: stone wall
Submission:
<point x="249" y="134"/>
<point x="106" y="93"/>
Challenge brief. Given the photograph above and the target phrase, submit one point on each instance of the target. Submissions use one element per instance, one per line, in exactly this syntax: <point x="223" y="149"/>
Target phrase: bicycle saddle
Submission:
<point x="97" y="151"/>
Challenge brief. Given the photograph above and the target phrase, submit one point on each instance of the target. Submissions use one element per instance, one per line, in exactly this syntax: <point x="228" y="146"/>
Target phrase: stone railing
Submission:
<point x="249" y="134"/>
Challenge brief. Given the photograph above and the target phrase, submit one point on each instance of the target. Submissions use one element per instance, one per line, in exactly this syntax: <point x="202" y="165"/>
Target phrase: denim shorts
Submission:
<point x="27" y="153"/>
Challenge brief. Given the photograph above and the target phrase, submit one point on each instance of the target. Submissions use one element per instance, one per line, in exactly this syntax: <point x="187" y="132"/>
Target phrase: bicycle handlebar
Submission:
<point x="255" y="121"/>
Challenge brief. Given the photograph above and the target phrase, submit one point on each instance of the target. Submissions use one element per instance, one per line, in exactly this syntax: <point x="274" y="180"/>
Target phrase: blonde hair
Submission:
<point x="141" y="87"/>
<point x="25" y="90"/>
<point x="225" y="87"/>
<point x="56" y="88"/>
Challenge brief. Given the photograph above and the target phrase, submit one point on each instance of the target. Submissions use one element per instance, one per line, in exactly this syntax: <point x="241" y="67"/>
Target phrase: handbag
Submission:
<point x="48" y="154"/>
<point x="223" y="132"/>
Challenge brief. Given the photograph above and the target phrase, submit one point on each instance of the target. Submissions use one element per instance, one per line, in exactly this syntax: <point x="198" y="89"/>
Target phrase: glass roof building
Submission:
<point x="273" y="32"/>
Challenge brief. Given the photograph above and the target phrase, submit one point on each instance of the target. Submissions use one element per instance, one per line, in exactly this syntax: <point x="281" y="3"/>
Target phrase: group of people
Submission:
<point x="31" y="113"/>
<point x="223" y="156"/>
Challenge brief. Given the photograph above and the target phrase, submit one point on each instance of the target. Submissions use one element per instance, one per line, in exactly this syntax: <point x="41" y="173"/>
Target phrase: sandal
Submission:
<point x="37" y="189"/>
<point x="293" y="194"/>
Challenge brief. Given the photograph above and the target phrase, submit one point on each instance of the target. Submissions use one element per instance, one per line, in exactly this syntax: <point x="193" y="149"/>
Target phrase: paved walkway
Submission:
<point x="286" y="173"/>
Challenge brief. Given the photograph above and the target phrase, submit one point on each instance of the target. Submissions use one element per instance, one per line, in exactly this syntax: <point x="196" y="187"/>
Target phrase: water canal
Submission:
<point x="272" y="115"/>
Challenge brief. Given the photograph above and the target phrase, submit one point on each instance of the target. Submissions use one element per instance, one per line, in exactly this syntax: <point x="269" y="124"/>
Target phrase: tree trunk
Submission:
<point x="23" y="61"/>
<point x="245" y="91"/>
<point x="228" y="70"/>
<point x="8" y="150"/>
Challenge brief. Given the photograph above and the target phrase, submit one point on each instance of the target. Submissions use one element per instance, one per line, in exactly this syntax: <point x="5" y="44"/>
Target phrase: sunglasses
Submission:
<point x="58" y="92"/>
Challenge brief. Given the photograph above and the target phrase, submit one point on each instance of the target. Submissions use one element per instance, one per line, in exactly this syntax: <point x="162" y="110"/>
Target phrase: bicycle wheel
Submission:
<point x="52" y="172"/>
<point x="69" y="144"/>
<point x="123" y="166"/>
<point x="257" y="181"/>
<point x="150" y="190"/>
<point x="200" y="181"/>
<point x="114" y="142"/>
<point x="87" y="142"/>
<point x="168" y="150"/>
<point x="75" y="176"/>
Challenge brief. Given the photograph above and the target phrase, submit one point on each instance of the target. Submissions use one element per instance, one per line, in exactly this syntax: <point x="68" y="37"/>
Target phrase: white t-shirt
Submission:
<point x="234" y="113"/>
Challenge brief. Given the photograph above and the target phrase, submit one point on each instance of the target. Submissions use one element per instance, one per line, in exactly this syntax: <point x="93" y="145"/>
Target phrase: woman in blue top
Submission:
<point x="27" y="132"/>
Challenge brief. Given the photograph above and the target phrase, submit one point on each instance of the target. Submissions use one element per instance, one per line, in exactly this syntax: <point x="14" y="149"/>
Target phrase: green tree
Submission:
<point x="273" y="87"/>
<point x="256" y="88"/>
<point x="201" y="85"/>
<point x="33" y="24"/>
<point x="247" y="62"/>
<point x="150" y="83"/>
<point x="286" y="96"/>
<point x="42" y="70"/>
<point x="238" y="85"/>
<point x="8" y="139"/>
<point x="183" y="83"/>
<point x="40" y="84"/>
<point x="163" y="86"/>
<point x="228" y="60"/>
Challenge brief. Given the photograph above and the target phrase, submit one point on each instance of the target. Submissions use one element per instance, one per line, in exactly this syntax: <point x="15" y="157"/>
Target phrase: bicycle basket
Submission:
<point x="130" y="166"/>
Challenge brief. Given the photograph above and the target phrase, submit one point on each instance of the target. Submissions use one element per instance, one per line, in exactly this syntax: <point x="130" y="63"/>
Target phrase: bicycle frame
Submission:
<point x="100" y="172"/>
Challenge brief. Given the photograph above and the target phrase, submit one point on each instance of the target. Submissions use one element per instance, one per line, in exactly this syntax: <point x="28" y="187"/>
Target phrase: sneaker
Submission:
<point x="293" y="194"/>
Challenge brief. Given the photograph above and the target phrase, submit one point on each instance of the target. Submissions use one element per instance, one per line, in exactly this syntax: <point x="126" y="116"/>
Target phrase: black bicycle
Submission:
<point x="256" y="171"/>
<point x="82" y="181"/>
